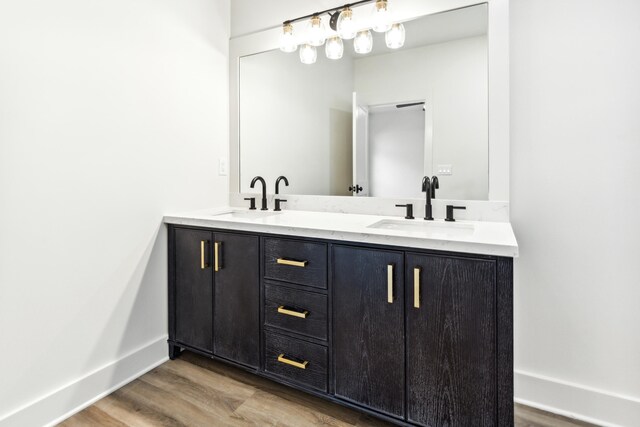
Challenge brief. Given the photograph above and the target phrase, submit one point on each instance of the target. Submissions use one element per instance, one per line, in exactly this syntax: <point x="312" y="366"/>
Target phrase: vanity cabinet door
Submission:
<point x="236" y="324"/>
<point x="368" y="303"/>
<point x="451" y="340"/>
<point x="193" y="289"/>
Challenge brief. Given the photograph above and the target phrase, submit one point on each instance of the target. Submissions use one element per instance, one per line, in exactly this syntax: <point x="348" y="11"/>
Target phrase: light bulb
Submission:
<point x="346" y="26"/>
<point x="315" y="34"/>
<point x="363" y="43"/>
<point x="308" y="54"/>
<point x="381" y="17"/>
<point x="395" y="36"/>
<point x="334" y="48"/>
<point x="287" y="41"/>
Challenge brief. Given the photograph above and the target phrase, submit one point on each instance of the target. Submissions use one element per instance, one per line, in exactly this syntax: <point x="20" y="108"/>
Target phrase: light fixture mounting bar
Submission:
<point x="328" y="11"/>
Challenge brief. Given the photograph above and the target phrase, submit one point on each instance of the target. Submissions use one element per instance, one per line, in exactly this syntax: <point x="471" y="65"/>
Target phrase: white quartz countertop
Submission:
<point x="477" y="237"/>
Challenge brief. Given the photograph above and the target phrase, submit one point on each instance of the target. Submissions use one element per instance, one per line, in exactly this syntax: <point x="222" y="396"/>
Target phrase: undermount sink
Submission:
<point x="246" y="214"/>
<point x="452" y="229"/>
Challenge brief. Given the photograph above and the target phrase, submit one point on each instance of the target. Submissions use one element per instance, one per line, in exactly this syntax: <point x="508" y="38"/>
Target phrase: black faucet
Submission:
<point x="281" y="178"/>
<point x="435" y="184"/>
<point x="409" y="207"/>
<point x="450" y="209"/>
<point x="264" y="191"/>
<point x="426" y="188"/>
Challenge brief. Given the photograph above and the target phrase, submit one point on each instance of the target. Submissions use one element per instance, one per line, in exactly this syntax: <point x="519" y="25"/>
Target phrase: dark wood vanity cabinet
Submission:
<point x="416" y="337"/>
<point x="450" y="340"/>
<point x="368" y="293"/>
<point x="214" y="294"/>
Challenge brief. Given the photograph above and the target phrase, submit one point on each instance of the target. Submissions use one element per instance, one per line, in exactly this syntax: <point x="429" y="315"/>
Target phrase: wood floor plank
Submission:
<point x="197" y="391"/>
<point x="130" y="412"/>
<point x="526" y="416"/>
<point x="264" y="408"/>
<point x="208" y="378"/>
<point x="168" y="404"/>
<point x="211" y="400"/>
<point x="92" y="416"/>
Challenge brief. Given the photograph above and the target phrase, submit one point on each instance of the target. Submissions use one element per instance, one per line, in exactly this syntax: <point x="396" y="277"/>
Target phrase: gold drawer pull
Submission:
<point x="291" y="262"/>
<point x="216" y="256"/>
<point x="416" y="287"/>
<point x="203" y="263"/>
<point x="390" y="283"/>
<point x="289" y="312"/>
<point x="300" y="365"/>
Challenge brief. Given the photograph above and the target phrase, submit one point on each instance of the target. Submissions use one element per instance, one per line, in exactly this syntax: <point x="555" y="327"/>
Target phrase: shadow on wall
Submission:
<point x="141" y="311"/>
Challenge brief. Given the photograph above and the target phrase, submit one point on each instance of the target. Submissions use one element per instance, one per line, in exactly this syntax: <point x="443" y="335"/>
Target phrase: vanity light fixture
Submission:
<point x="343" y="26"/>
<point x="346" y="26"/>
<point x="334" y="48"/>
<point x="381" y="17"/>
<point x="308" y="54"/>
<point x="363" y="43"/>
<point x="287" y="40"/>
<point x="394" y="37"/>
<point x="315" y="34"/>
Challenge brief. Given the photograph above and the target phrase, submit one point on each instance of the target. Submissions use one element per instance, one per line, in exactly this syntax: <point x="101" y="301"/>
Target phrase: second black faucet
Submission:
<point x="264" y="191"/>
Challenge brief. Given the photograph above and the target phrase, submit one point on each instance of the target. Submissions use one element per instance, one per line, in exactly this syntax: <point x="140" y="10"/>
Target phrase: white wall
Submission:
<point x="575" y="148"/>
<point x="452" y="78"/>
<point x="111" y="115"/>
<point x="286" y="127"/>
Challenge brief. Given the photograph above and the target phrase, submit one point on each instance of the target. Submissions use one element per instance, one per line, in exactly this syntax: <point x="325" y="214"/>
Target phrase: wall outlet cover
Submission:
<point x="445" y="170"/>
<point x="223" y="166"/>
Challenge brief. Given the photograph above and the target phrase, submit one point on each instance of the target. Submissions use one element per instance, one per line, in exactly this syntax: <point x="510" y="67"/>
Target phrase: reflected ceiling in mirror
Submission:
<point x="379" y="122"/>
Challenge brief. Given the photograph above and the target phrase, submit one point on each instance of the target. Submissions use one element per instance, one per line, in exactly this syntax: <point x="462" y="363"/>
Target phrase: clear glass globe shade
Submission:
<point x="308" y="54"/>
<point x="381" y="19"/>
<point x="395" y="36"/>
<point x="363" y="43"/>
<point x="334" y="48"/>
<point x="315" y="32"/>
<point x="346" y="26"/>
<point x="287" y="40"/>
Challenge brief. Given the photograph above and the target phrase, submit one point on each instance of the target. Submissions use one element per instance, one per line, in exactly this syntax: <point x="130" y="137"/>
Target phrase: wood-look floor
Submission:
<point x="196" y="391"/>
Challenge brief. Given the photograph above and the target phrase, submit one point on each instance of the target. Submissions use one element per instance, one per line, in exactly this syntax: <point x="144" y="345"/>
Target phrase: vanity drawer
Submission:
<point x="295" y="261"/>
<point x="297" y="361"/>
<point x="296" y="311"/>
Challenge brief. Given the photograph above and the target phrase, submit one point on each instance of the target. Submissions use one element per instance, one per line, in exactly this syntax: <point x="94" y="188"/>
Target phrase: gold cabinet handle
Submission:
<point x="416" y="287"/>
<point x="301" y="365"/>
<point x="302" y="314"/>
<point x="216" y="256"/>
<point x="390" y="283"/>
<point x="293" y="263"/>
<point x="203" y="263"/>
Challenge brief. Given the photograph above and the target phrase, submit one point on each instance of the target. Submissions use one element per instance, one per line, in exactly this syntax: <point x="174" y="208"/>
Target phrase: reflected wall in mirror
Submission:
<point x="380" y="121"/>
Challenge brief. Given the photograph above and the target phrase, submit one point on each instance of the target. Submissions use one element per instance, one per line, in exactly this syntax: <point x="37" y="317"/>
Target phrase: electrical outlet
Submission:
<point x="223" y="166"/>
<point x="445" y="170"/>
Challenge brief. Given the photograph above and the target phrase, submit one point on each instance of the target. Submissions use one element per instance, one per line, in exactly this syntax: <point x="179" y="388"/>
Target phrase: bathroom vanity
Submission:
<point x="410" y="321"/>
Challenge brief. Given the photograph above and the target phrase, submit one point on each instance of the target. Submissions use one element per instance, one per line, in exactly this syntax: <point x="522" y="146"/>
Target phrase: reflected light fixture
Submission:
<point x="315" y="33"/>
<point x="394" y="37"/>
<point x="308" y="54"/>
<point x="363" y="43"/>
<point x="287" y="40"/>
<point x="343" y="24"/>
<point x="334" y="48"/>
<point x="346" y="26"/>
<point x="381" y="17"/>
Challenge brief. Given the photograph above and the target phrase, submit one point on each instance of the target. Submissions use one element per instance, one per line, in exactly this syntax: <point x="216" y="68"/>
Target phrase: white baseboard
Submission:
<point x="55" y="407"/>
<point x="576" y="401"/>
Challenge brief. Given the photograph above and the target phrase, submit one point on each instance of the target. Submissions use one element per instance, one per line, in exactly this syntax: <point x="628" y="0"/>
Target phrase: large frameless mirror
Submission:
<point x="373" y="124"/>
